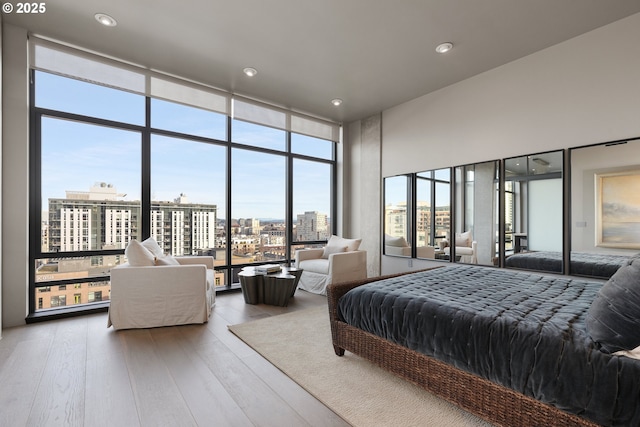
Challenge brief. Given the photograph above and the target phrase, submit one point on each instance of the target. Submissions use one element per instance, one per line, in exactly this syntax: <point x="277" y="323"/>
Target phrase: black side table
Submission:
<point x="273" y="289"/>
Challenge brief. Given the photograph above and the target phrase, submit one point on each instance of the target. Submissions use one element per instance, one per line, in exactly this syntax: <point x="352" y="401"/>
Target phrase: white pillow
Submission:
<point x="634" y="354"/>
<point x="166" y="260"/>
<point x="351" y="244"/>
<point x="153" y="247"/>
<point x="463" y="239"/>
<point x="399" y="242"/>
<point x="138" y="256"/>
<point x="328" y="250"/>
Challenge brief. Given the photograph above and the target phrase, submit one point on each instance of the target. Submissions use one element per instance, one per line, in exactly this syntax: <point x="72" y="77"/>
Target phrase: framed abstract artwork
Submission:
<point x="618" y="209"/>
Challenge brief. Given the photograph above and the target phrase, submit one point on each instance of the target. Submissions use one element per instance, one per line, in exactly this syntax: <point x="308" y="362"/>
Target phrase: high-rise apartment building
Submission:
<point x="97" y="219"/>
<point x="395" y="219"/>
<point x="312" y="226"/>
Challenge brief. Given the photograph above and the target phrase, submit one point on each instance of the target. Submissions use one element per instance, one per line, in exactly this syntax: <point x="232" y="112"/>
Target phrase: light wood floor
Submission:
<point x="76" y="372"/>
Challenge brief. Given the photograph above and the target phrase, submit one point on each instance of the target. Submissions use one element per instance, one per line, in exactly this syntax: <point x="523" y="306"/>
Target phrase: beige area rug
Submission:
<point x="299" y="344"/>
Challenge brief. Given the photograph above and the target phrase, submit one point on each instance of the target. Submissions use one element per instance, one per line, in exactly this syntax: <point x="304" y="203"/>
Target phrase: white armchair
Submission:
<point x="399" y="246"/>
<point x="340" y="261"/>
<point x="466" y="248"/>
<point x="170" y="291"/>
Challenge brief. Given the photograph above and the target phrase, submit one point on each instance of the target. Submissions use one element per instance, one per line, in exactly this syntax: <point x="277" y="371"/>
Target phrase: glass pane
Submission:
<point x="55" y="269"/>
<point x="78" y="97"/>
<point x="593" y="169"/>
<point x="258" y="136"/>
<point x="235" y="280"/>
<point x="443" y="174"/>
<point x="188" y="192"/>
<point x="294" y="248"/>
<point x="220" y="278"/>
<point x="443" y="210"/>
<point x="534" y="212"/>
<point x="52" y="297"/>
<point x="424" y="213"/>
<point x="90" y="186"/>
<point x="258" y="206"/>
<point x="309" y="146"/>
<point x="433" y="212"/>
<point x="190" y="120"/>
<point x="509" y="217"/>
<point x="396" y="219"/>
<point x="311" y="200"/>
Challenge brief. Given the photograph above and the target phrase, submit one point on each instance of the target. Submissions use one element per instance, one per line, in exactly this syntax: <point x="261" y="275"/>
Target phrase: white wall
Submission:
<point x="15" y="175"/>
<point x="0" y="179"/>
<point x="583" y="91"/>
<point x="579" y="92"/>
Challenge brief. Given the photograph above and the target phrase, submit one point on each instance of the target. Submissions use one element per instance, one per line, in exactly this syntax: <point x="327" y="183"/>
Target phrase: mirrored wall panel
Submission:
<point x="605" y="207"/>
<point x="533" y="212"/>
<point x="397" y="220"/>
<point x="476" y="214"/>
<point x="433" y="213"/>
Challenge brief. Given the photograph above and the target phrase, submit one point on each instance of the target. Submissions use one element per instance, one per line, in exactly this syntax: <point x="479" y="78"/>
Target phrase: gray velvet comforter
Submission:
<point x="522" y="330"/>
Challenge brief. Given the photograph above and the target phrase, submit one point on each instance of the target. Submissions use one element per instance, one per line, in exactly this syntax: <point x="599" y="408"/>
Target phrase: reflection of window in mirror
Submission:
<point x="433" y="213"/>
<point x="397" y="190"/>
<point x="598" y="248"/>
<point x="533" y="211"/>
<point x="476" y="219"/>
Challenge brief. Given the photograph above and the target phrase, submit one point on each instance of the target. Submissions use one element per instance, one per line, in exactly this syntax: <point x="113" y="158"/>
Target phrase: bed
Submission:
<point x="510" y="346"/>
<point x="582" y="263"/>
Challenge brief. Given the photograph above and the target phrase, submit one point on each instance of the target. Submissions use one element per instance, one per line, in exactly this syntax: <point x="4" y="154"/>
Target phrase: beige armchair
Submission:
<point x="399" y="246"/>
<point x="339" y="261"/>
<point x="150" y="291"/>
<point x="466" y="248"/>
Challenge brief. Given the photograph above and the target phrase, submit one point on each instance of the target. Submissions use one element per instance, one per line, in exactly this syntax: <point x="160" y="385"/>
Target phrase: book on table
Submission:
<point x="268" y="268"/>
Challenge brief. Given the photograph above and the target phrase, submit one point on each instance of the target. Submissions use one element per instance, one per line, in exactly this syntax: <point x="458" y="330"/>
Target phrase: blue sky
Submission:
<point x="76" y="155"/>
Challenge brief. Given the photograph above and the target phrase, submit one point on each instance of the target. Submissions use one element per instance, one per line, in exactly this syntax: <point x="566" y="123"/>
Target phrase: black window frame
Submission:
<point x="36" y="115"/>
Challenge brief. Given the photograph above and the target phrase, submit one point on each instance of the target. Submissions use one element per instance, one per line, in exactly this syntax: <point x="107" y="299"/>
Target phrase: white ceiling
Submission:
<point x="373" y="54"/>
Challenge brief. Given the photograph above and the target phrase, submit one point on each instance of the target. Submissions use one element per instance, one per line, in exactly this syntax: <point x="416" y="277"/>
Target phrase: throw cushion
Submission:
<point x="328" y="250"/>
<point x="351" y="244"/>
<point x="153" y="247"/>
<point x="613" y="320"/>
<point x="166" y="260"/>
<point x="463" y="239"/>
<point x="138" y="256"/>
<point x="634" y="354"/>
<point x="399" y="242"/>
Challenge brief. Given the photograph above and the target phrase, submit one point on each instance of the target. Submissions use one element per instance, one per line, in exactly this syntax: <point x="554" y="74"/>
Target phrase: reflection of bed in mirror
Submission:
<point x="533" y="211"/>
<point x="582" y="263"/>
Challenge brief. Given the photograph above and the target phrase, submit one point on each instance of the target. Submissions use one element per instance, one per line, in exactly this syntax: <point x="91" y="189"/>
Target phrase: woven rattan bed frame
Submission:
<point x="492" y="402"/>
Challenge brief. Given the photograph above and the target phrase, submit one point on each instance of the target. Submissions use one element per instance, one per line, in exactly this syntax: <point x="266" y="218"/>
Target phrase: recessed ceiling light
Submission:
<point x="250" y="71"/>
<point x="336" y="102"/>
<point x="444" y="47"/>
<point x="106" y="20"/>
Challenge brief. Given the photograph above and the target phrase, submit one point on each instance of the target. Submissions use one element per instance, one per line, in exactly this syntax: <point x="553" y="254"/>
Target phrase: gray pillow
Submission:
<point x="613" y="320"/>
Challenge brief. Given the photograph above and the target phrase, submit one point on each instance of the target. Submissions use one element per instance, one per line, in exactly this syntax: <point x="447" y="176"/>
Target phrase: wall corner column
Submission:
<point x="15" y="176"/>
<point x="363" y="187"/>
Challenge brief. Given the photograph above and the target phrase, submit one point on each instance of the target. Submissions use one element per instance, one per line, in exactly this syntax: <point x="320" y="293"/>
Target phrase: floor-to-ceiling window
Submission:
<point x="109" y="166"/>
